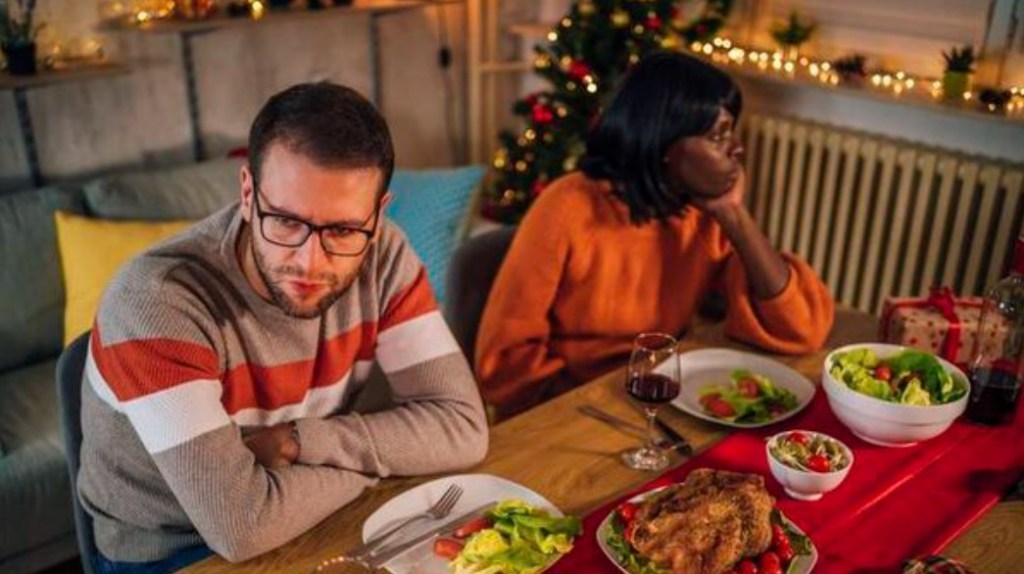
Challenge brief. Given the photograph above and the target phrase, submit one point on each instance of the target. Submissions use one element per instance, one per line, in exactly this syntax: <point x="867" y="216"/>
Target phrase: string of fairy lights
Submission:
<point x="784" y="65"/>
<point x="898" y="84"/>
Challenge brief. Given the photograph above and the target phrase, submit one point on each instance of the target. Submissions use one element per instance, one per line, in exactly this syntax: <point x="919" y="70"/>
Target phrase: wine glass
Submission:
<point x="653" y="379"/>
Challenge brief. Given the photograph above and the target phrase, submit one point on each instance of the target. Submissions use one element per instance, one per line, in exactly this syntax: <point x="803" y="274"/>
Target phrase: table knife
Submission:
<point x="397" y="548"/>
<point x="682" y="446"/>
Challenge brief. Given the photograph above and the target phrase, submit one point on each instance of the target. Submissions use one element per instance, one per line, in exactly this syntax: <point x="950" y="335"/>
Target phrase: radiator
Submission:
<point x="878" y="217"/>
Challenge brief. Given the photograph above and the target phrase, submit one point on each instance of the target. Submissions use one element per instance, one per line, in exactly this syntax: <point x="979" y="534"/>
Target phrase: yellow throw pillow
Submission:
<point x="91" y="252"/>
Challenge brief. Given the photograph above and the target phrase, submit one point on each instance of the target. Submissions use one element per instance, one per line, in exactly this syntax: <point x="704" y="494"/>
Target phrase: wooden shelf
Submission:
<point x="913" y="99"/>
<point x="532" y="30"/>
<point x="78" y="73"/>
<point x="503" y="67"/>
<point x="223" y="21"/>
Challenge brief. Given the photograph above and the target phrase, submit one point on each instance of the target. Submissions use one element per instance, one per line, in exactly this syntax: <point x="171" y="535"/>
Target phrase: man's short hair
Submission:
<point x="332" y="125"/>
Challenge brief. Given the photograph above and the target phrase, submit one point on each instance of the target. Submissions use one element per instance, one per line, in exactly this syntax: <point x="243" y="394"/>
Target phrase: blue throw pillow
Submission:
<point x="429" y="206"/>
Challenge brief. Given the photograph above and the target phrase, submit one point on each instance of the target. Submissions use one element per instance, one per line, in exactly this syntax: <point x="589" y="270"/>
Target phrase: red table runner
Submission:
<point x="896" y="503"/>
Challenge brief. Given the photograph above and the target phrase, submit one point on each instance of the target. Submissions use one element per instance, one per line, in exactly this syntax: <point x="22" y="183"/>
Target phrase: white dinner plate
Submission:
<point x="802" y="564"/>
<point x="698" y="369"/>
<point x="478" y="490"/>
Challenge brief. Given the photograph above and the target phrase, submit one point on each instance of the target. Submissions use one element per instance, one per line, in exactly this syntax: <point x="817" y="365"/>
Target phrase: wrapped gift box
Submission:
<point x="940" y="323"/>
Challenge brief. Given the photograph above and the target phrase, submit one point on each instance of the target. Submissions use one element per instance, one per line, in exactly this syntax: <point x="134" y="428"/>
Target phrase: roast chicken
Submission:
<point x="706" y="524"/>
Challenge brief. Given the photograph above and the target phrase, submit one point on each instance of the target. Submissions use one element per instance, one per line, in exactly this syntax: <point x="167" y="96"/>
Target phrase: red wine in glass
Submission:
<point x="652" y="379"/>
<point x="994" y="396"/>
<point x="652" y="388"/>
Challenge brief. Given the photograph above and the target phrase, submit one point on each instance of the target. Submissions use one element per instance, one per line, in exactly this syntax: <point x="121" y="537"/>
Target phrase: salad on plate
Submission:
<point x="512" y="538"/>
<point x="747" y="398"/>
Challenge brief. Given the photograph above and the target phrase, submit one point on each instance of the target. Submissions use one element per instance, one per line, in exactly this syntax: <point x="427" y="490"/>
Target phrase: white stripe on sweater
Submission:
<point x="98" y="383"/>
<point x="415" y="341"/>
<point x="168" y="418"/>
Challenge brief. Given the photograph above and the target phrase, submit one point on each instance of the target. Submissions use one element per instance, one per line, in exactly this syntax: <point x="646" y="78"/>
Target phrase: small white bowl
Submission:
<point x="802" y="484"/>
<point x="885" y="423"/>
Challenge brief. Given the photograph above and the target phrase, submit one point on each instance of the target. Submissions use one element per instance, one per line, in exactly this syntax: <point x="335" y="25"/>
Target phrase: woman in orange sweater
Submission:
<point x="637" y="240"/>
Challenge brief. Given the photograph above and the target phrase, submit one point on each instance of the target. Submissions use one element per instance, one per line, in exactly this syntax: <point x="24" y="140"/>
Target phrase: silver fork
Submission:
<point x="437" y="511"/>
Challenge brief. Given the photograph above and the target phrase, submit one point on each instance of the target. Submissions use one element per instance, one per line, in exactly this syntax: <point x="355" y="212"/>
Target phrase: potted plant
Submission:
<point x="18" y="35"/>
<point x="791" y="34"/>
<point x="994" y="100"/>
<point x="957" y="78"/>
<point x="851" y="69"/>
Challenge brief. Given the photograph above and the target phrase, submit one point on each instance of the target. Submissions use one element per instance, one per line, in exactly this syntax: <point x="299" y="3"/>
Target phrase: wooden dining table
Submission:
<point x="574" y="461"/>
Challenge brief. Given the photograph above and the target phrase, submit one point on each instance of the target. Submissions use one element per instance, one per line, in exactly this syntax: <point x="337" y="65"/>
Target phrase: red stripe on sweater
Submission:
<point x="249" y="385"/>
<point x="135" y="369"/>
<point x="414" y="300"/>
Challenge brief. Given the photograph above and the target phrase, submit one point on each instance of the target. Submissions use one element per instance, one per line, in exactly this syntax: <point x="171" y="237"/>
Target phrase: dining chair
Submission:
<point x="69" y="396"/>
<point x="471" y="273"/>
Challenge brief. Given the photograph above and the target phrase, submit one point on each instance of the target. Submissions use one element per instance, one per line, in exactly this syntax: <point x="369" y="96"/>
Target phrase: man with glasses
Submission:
<point x="223" y="362"/>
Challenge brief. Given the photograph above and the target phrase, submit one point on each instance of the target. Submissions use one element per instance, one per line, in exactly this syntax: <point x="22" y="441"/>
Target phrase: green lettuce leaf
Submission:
<point x="914" y="394"/>
<point x="523" y="540"/>
<point x="624" y="553"/>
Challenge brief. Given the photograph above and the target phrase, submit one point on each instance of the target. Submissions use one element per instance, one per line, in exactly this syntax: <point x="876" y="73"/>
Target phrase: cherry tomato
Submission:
<point x="748" y="388"/>
<point x="447" y="548"/>
<point x="705" y="399"/>
<point x="779" y="535"/>
<point x="785" y="552"/>
<point x="798" y="437"/>
<point x="747" y="567"/>
<point x="771" y="563"/>
<point x="818" y="463"/>
<point x="720" y="408"/>
<point x="472" y="526"/>
<point x="629" y="532"/>
<point x="627" y="511"/>
<point x="883" y="372"/>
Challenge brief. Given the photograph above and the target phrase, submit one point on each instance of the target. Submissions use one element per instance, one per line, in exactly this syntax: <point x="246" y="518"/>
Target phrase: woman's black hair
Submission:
<point x="666" y="96"/>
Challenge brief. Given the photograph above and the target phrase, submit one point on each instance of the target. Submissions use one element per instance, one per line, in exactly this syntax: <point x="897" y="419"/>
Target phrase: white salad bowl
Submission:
<point x="886" y="423"/>
<point x="804" y="484"/>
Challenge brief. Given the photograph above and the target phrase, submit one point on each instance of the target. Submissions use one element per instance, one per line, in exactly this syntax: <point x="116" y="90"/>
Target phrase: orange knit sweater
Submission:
<point x="580" y="282"/>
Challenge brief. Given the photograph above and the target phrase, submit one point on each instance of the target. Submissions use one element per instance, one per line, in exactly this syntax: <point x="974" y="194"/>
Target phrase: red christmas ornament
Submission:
<point x="531" y="100"/>
<point x="653" y="22"/>
<point x="542" y="114"/>
<point x="578" y="70"/>
<point x="537" y="187"/>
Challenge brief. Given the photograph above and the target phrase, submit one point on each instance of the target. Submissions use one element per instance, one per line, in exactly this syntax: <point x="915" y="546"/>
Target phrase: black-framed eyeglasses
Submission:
<point x="337" y="239"/>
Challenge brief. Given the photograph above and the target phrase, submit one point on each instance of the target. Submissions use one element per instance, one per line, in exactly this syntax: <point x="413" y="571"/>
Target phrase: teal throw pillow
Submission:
<point x="429" y="205"/>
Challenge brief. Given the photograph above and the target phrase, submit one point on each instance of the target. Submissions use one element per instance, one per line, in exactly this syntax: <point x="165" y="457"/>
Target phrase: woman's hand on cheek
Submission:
<point x="724" y="207"/>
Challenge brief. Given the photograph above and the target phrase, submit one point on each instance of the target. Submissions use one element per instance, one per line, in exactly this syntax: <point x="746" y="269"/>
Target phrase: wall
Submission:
<point x="933" y="125"/>
<point x="908" y="35"/>
<point x="141" y="119"/>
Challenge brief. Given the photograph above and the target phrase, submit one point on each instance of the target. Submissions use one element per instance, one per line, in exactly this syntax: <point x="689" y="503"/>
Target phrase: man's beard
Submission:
<point x="337" y="286"/>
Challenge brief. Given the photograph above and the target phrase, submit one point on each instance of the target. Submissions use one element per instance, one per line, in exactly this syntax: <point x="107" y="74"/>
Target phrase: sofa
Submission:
<point x="36" y="524"/>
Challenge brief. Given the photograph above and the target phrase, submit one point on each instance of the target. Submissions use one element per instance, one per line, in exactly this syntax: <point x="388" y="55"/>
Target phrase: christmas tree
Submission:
<point x="586" y="53"/>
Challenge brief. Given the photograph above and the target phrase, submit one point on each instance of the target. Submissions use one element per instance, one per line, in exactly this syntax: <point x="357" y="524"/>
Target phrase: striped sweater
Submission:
<point x="185" y="358"/>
